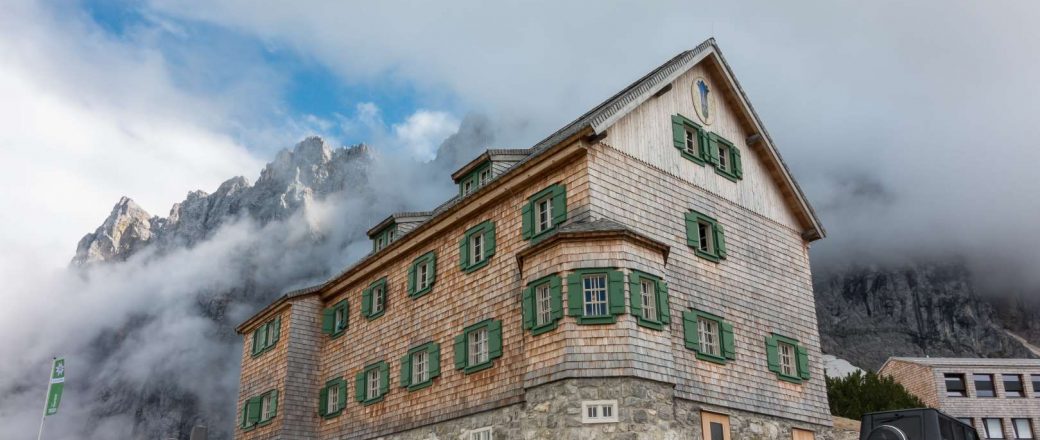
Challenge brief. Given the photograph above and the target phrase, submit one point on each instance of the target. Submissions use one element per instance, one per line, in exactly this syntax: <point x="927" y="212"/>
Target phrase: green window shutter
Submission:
<point x="412" y="283"/>
<point x="704" y="144"/>
<point x="277" y="331"/>
<point x="635" y="294"/>
<point x="245" y="415"/>
<point x="691" y="230"/>
<point x="323" y="401"/>
<point x="489" y="237"/>
<point x="690" y="333"/>
<point x="384" y="378"/>
<point x="738" y="166"/>
<point x="559" y="204"/>
<point x="406" y="370"/>
<point x="328" y="321"/>
<point x="616" y="292"/>
<point x="803" y="362"/>
<point x="575" y="303"/>
<point x="527" y="221"/>
<point x="678" y="132"/>
<point x="433" y="267"/>
<point x="556" y="296"/>
<point x="254" y="411"/>
<point x="256" y="340"/>
<point x="713" y="149"/>
<point x="460" y="352"/>
<point x="720" y="240"/>
<point x="772" y="355"/>
<point x="464" y="252"/>
<point x="359" y="386"/>
<point x="274" y="403"/>
<point x="342" y="384"/>
<point x="529" y="307"/>
<point x="728" y="349"/>
<point x="435" y="360"/>
<point x="366" y="302"/>
<point x="663" y="308"/>
<point x="495" y="339"/>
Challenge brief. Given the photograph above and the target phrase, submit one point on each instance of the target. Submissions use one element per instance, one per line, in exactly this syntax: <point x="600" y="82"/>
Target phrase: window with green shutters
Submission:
<point x="543" y="212"/>
<point x="478" y="346"/>
<point x="477" y="247"/>
<point x="706" y="236"/>
<point x="421" y="274"/>
<point x="421" y="366"/>
<point x="259" y="410"/>
<point x="384" y="237"/>
<point x="788" y="359"/>
<point x="334" y="319"/>
<point x="596" y="296"/>
<point x="373" y="299"/>
<point x="690" y="139"/>
<point x="543" y="304"/>
<point x="372" y="383"/>
<point x="265" y="336"/>
<point x="475" y="179"/>
<point x="332" y="398"/>
<point x="725" y="157"/>
<point x="648" y="296"/>
<point x="710" y="336"/>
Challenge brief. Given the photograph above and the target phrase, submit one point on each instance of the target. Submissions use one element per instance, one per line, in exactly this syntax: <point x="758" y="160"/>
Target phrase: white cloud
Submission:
<point x="424" y="130"/>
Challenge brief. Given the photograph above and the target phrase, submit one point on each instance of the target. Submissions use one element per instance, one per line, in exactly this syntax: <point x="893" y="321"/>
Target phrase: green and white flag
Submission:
<point x="57" y="384"/>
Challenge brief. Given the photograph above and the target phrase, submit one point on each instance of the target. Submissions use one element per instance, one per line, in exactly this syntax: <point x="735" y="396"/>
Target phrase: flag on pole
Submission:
<point x="57" y="385"/>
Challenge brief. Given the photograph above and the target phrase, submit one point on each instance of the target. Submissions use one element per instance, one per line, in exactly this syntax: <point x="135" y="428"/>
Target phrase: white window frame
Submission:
<point x="477" y="347"/>
<point x="594" y="297"/>
<point x="705" y="237"/>
<point x="372" y="384"/>
<point x="390" y="235"/>
<point x="269" y="332"/>
<point x="484" y="433"/>
<point x="339" y="320"/>
<point x="648" y="296"/>
<point x="1000" y="427"/>
<point x="484" y="177"/>
<point x="787" y="354"/>
<point x="543" y="214"/>
<point x="420" y="367"/>
<point x="378" y="297"/>
<point x="543" y="304"/>
<point x="332" y="400"/>
<point x="691" y="142"/>
<point x="708" y="336"/>
<point x="1027" y="428"/>
<point x="599" y="411"/>
<point x="724" y="159"/>
<point x="476" y="248"/>
<point x="424" y="275"/>
<point x="265" y="407"/>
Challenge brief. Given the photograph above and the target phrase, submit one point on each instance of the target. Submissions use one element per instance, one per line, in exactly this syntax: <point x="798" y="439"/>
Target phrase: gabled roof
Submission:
<point x="494" y="155"/>
<point x="399" y="217"/>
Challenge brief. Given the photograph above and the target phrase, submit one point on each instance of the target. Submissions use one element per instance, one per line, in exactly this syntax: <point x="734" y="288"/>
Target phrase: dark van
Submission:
<point x="914" y="424"/>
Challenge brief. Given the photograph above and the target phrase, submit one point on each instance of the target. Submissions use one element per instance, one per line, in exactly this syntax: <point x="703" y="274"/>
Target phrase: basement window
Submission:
<point x="480" y="434"/>
<point x="599" y="411"/>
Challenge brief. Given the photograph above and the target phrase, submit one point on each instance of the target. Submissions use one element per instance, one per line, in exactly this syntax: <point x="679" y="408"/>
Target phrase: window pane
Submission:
<point x="333" y="399"/>
<point x="543" y="305"/>
<point x="648" y="294"/>
<point x="994" y="428"/>
<point x="1036" y="385"/>
<point x="722" y="157"/>
<point x="709" y="336"/>
<point x="1013" y="385"/>
<point x="544" y="209"/>
<point x="477" y="248"/>
<point x="420" y="369"/>
<point x="983" y="385"/>
<point x="717" y="431"/>
<point x="478" y="347"/>
<point x="372" y="388"/>
<point x="955" y="386"/>
<point x="704" y="233"/>
<point x="787" y="366"/>
<point x="1023" y="428"/>
<point x="595" y="292"/>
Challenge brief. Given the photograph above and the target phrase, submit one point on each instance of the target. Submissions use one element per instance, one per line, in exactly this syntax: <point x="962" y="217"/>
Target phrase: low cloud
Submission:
<point x="424" y="130"/>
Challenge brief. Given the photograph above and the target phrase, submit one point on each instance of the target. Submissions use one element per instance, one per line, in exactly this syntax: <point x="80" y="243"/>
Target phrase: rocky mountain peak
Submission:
<point x="127" y="228"/>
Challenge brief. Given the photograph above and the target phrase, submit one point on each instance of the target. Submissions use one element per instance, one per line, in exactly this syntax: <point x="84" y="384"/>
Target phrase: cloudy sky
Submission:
<point x="901" y="120"/>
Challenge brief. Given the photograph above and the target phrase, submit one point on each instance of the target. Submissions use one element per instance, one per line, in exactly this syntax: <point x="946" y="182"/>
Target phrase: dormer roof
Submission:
<point x="397" y="219"/>
<point x="491" y="155"/>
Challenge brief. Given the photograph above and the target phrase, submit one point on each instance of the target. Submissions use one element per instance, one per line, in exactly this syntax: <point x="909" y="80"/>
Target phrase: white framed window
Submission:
<point x="543" y="215"/>
<point x="332" y="399"/>
<point x="691" y="143"/>
<point x="706" y="242"/>
<point x="390" y="236"/>
<point x="724" y="157"/>
<point x="378" y="299"/>
<point x="994" y="428"/>
<point x="478" y="347"/>
<point x="267" y="407"/>
<point x="424" y="275"/>
<point x="420" y="367"/>
<point x="543" y="304"/>
<point x="379" y="243"/>
<point x="480" y="434"/>
<point x="594" y="290"/>
<point x="340" y="320"/>
<point x="476" y="252"/>
<point x="599" y="411"/>
<point x="467" y="187"/>
<point x="1023" y="428"/>
<point x="648" y="295"/>
<point x="484" y="177"/>
<point x="271" y="328"/>
<point x="708" y="336"/>
<point x="787" y="359"/>
<point x="372" y="384"/>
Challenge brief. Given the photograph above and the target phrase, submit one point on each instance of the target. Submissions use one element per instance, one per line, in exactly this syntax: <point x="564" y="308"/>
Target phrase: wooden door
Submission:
<point x="714" y="426"/>
<point x="801" y="434"/>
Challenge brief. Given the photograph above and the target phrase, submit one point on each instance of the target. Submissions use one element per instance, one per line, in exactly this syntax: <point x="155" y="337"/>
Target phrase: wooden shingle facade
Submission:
<point x="641" y="273"/>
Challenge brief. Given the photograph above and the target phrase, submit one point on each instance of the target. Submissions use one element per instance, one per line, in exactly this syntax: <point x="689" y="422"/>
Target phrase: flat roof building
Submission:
<point x="1000" y="397"/>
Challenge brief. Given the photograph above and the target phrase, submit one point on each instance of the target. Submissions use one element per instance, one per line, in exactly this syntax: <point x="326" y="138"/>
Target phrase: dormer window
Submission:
<point x="384" y="237"/>
<point x="467" y="187"/>
<point x="485" y="177"/>
<point x="475" y="180"/>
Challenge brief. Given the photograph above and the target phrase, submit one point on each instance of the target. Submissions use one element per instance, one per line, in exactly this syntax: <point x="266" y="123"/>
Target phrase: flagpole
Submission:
<point x="46" y="396"/>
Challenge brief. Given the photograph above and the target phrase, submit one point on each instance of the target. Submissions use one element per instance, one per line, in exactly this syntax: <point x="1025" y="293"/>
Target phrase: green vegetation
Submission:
<point x="859" y="393"/>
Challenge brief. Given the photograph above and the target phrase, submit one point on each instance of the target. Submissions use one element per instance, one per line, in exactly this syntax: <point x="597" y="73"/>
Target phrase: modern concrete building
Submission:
<point x="641" y="273"/>
<point x="1000" y="397"/>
